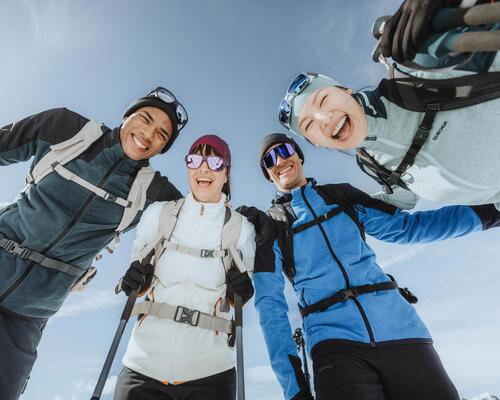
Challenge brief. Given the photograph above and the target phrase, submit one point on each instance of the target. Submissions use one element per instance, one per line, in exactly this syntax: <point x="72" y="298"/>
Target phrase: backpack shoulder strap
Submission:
<point x="279" y="214"/>
<point x="334" y="193"/>
<point x="166" y="225"/>
<point x="136" y="197"/>
<point x="64" y="152"/>
<point x="231" y="231"/>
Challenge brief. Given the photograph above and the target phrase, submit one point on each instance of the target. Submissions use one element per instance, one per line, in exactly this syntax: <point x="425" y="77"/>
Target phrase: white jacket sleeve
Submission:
<point x="146" y="229"/>
<point x="246" y="244"/>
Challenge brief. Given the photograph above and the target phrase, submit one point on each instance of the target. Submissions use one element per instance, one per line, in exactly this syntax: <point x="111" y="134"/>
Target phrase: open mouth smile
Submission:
<point x="140" y="143"/>
<point x="204" y="182"/>
<point x="341" y="132"/>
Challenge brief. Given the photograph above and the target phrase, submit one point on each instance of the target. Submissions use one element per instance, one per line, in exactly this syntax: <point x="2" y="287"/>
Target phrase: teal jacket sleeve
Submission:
<point x="272" y="308"/>
<point x="34" y="135"/>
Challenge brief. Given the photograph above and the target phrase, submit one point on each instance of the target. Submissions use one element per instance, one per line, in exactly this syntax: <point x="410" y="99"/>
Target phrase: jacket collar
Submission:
<point x="208" y="209"/>
<point x="282" y="198"/>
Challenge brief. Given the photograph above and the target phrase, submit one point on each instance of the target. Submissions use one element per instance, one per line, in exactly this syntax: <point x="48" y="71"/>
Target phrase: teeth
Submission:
<point x="284" y="171"/>
<point x="204" y="180"/>
<point x="139" y="144"/>
<point x="339" y="125"/>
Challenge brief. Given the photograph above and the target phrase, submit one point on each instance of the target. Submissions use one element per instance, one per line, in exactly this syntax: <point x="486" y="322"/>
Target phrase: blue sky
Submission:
<point x="229" y="61"/>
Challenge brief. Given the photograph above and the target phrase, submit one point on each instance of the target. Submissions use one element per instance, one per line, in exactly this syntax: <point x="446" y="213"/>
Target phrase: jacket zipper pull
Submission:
<point x="202" y="209"/>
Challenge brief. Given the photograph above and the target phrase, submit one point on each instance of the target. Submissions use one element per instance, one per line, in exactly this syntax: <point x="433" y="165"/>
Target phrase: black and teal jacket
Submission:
<point x="331" y="255"/>
<point x="59" y="218"/>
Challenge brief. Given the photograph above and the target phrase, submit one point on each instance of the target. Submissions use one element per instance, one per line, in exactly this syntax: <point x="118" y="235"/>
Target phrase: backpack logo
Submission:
<point x="436" y="136"/>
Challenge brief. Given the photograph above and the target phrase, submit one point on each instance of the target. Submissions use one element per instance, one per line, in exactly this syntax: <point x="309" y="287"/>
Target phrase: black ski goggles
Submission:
<point x="284" y="150"/>
<point x="168" y="97"/>
<point x="296" y="87"/>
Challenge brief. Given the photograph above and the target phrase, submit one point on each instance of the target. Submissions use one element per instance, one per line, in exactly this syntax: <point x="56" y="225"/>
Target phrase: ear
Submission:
<point x="349" y="91"/>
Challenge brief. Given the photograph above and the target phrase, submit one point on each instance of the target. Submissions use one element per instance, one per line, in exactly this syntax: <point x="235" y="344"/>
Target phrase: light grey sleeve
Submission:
<point x="401" y="198"/>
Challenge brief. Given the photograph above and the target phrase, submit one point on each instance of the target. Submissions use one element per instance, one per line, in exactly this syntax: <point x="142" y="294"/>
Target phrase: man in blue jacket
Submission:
<point x="87" y="184"/>
<point x="365" y="338"/>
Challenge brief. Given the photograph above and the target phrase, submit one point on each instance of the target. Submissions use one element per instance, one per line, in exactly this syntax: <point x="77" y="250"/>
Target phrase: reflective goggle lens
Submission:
<point x="168" y="97"/>
<point x="298" y="84"/>
<point x="194" y="161"/>
<point x="284" y="150"/>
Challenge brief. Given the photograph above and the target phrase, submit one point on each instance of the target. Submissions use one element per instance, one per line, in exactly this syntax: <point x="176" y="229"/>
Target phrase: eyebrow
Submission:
<point x="150" y="119"/>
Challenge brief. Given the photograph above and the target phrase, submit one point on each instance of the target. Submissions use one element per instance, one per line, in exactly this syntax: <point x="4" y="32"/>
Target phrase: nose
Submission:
<point x="148" y="133"/>
<point x="204" y="166"/>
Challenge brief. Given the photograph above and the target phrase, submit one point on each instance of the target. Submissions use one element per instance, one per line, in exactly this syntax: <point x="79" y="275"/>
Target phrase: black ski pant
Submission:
<point x="132" y="385"/>
<point x="19" y="338"/>
<point x="402" y="371"/>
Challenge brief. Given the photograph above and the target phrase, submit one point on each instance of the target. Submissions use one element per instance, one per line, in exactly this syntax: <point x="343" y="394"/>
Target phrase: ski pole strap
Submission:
<point x="418" y="141"/>
<point x="12" y="247"/>
<point x="344" y="295"/>
<point x="184" y="315"/>
<point x="203" y="253"/>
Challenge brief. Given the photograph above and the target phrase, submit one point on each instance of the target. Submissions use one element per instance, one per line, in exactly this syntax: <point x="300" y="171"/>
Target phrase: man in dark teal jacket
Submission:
<point x="54" y="229"/>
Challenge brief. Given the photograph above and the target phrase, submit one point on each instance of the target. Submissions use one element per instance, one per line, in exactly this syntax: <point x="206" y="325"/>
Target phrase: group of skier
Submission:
<point x="429" y="134"/>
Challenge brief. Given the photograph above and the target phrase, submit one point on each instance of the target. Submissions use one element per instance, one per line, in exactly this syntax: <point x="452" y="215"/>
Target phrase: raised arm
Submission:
<point x="390" y="224"/>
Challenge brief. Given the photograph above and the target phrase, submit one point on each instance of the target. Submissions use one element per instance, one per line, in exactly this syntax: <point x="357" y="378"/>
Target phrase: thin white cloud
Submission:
<point x="261" y="373"/>
<point x="109" y="386"/>
<point x="89" y="302"/>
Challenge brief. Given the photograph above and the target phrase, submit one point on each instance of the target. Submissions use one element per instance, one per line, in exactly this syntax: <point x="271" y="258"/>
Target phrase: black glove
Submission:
<point x="138" y="277"/>
<point x="265" y="228"/>
<point x="405" y="32"/>
<point x="238" y="283"/>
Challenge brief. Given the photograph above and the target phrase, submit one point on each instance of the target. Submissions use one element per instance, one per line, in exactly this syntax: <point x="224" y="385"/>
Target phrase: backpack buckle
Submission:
<point x="206" y="253"/>
<point x="185" y="315"/>
<point x="16" y="249"/>
<point x="347" y="294"/>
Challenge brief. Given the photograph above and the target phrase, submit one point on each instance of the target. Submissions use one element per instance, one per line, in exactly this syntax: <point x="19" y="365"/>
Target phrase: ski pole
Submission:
<point x="299" y="341"/>
<point x="449" y="18"/>
<point x="238" y="327"/>
<point x="127" y="311"/>
<point x="238" y="324"/>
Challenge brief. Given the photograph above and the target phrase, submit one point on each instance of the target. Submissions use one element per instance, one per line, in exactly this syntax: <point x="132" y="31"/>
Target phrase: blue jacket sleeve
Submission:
<point x="390" y="224"/>
<point x="272" y="308"/>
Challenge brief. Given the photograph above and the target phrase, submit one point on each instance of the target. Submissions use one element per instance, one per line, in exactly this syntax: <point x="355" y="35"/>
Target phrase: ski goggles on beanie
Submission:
<point x="215" y="163"/>
<point x="168" y="97"/>
<point x="299" y="90"/>
<point x="284" y="150"/>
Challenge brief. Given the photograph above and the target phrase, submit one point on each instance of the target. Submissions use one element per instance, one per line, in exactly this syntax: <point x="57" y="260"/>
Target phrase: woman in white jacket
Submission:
<point x="182" y="348"/>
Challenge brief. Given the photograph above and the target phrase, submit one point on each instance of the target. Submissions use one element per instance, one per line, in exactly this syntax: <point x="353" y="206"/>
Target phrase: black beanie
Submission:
<point x="272" y="139"/>
<point x="153" y="101"/>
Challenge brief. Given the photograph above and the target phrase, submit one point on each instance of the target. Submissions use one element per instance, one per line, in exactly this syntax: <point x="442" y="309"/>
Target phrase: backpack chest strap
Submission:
<point x="70" y="176"/>
<point x="192" y="251"/>
<point x="184" y="315"/>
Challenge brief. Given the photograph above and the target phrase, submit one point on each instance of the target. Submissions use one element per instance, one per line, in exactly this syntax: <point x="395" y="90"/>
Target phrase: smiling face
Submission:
<point x="145" y="133"/>
<point x="205" y="184"/>
<point x="331" y="117"/>
<point x="287" y="174"/>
